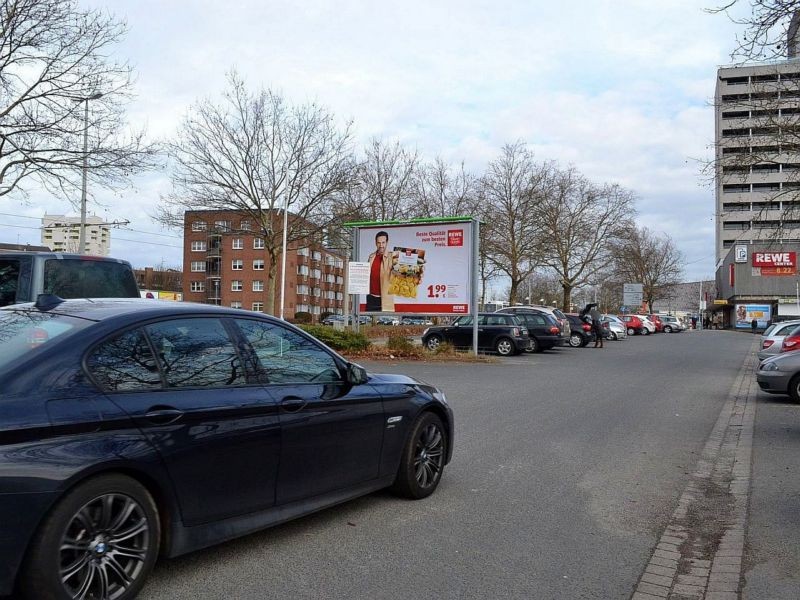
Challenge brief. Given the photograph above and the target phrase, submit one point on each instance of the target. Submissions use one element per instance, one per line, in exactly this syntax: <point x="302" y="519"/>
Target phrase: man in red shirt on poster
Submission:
<point x="380" y="267"/>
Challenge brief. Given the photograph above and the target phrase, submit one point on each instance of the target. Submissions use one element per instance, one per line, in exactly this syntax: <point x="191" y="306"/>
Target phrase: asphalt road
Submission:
<point x="567" y="467"/>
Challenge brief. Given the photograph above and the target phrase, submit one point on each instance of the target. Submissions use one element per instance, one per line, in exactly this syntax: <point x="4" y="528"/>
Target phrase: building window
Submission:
<point x="198" y="266"/>
<point x="244" y="225"/>
<point x="198" y="246"/>
<point x="316" y="274"/>
<point x="237" y="264"/>
<point x="316" y="255"/>
<point x="237" y="243"/>
<point x="236" y="304"/>
<point x="222" y="225"/>
<point x="329" y="261"/>
<point x="302" y="252"/>
<point x="330" y="278"/>
<point x="258" y="264"/>
<point x="258" y="286"/>
<point x="198" y="226"/>
<point x="236" y="285"/>
<point x="302" y="289"/>
<point x="197" y="286"/>
<point x="317" y="292"/>
<point x="258" y="243"/>
<point x="302" y="270"/>
<point x="339" y="280"/>
<point x="339" y="295"/>
<point x="258" y="306"/>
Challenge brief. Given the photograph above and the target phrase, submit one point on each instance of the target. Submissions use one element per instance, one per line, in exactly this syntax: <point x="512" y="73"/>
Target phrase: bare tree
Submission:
<point x="53" y="57"/>
<point x="383" y="187"/>
<point x="767" y="27"/>
<point x="579" y="220"/>
<point x="653" y="260"/>
<point x="256" y="154"/>
<point x="511" y="190"/>
<point x="442" y="190"/>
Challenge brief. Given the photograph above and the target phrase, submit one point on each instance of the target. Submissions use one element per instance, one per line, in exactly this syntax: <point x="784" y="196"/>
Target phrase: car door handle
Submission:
<point x="163" y="415"/>
<point x="292" y="404"/>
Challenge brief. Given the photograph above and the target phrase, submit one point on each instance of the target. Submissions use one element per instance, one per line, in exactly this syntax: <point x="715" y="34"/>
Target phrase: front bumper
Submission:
<point x="774" y="382"/>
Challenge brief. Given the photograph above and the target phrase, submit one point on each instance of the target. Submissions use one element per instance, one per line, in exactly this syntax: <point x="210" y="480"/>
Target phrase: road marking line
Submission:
<point x="699" y="554"/>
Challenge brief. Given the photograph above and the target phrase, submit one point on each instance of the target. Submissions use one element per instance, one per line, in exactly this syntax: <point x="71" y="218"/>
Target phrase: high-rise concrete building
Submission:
<point x="62" y="234"/>
<point x="757" y="154"/>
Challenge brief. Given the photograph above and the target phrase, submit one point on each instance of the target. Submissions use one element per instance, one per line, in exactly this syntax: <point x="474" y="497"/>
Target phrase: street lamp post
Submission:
<point x="82" y="233"/>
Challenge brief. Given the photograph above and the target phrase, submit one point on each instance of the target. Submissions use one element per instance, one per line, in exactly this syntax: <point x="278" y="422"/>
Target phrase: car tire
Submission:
<point x="631" y="331"/>
<point x="433" y="342"/>
<point x="423" y="458"/>
<point x="667" y="329"/>
<point x="110" y="525"/>
<point x="645" y="331"/>
<point x="613" y="336"/>
<point x="794" y="388"/>
<point x="575" y="340"/>
<point x="535" y="346"/>
<point x="504" y="346"/>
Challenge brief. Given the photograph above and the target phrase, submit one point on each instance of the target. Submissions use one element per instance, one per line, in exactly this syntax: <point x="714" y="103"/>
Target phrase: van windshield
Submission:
<point x="88" y="278"/>
<point x="25" y="332"/>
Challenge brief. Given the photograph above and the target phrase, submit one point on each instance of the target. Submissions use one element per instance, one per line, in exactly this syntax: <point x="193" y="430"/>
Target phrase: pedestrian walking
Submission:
<point x="595" y="319"/>
<point x="753" y="325"/>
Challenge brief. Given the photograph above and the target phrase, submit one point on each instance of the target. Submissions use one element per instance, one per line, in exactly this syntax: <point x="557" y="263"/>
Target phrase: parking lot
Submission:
<point x="567" y="467"/>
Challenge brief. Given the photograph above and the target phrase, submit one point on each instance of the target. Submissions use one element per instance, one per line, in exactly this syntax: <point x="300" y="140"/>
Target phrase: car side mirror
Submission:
<point x="356" y="374"/>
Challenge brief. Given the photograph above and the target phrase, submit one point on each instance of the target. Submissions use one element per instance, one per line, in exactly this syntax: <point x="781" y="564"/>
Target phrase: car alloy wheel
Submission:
<point x="614" y="336"/>
<point x="575" y="340"/>
<point x="423" y="459"/>
<point x="645" y="331"/>
<point x="631" y="331"/>
<point x="104" y="547"/>
<point x="98" y="543"/>
<point x="534" y="347"/>
<point x="667" y="329"/>
<point x="433" y="342"/>
<point x="504" y="347"/>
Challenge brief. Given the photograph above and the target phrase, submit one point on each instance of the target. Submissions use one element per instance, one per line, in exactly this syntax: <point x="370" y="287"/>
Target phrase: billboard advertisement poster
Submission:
<point x="745" y="313"/>
<point x="421" y="268"/>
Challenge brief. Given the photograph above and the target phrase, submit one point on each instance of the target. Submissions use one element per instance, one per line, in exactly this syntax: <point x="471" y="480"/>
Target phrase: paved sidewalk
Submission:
<point x="699" y="555"/>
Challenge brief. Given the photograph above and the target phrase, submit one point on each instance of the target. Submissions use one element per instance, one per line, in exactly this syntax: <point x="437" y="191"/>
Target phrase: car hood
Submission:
<point x="789" y="359"/>
<point x="393" y="378"/>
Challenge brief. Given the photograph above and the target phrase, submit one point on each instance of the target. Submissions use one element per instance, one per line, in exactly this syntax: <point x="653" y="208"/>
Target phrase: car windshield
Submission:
<point x="25" y="332"/>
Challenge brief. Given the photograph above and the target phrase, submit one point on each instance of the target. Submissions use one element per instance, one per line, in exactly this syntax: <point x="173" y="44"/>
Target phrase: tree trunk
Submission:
<point x="512" y="295"/>
<point x="269" y="305"/>
<point x="565" y="302"/>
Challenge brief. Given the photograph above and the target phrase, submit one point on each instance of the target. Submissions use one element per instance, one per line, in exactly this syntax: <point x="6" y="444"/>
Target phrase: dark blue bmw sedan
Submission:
<point x="133" y="429"/>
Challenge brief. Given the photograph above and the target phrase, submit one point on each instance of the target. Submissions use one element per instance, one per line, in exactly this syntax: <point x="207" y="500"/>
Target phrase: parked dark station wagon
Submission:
<point x="131" y="429"/>
<point x="504" y="334"/>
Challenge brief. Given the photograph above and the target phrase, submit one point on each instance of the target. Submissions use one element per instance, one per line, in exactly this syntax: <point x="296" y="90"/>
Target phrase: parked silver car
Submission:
<point x="615" y="327"/>
<point x="772" y="338"/>
<point x="672" y="324"/>
<point x="780" y="374"/>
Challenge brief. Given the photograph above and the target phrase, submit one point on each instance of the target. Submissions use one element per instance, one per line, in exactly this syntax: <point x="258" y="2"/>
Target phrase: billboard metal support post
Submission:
<point x="476" y="229"/>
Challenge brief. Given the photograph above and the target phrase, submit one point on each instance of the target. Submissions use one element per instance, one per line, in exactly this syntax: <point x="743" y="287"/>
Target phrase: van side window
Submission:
<point x="9" y="281"/>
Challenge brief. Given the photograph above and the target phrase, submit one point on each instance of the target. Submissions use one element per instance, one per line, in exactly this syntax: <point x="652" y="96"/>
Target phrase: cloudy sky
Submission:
<point x="622" y="89"/>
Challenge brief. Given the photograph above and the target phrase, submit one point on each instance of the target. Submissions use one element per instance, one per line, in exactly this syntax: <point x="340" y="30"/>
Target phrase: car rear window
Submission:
<point x="87" y="278"/>
<point x="26" y="332"/>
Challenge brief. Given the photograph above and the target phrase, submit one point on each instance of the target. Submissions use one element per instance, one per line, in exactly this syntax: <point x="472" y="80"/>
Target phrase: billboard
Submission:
<point x="417" y="268"/>
<point x="745" y="313"/>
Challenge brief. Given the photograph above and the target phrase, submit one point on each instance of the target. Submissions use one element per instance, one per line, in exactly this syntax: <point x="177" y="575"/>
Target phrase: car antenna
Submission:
<point x="45" y="302"/>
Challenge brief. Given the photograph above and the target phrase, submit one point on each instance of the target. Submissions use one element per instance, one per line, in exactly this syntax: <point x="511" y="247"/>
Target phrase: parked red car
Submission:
<point x="633" y="324"/>
<point x="658" y="323"/>
<point x="790" y="342"/>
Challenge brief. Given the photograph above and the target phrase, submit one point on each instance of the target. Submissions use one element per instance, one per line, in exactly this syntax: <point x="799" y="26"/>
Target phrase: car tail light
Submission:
<point x="767" y="344"/>
<point x="587" y="327"/>
<point x="555" y="330"/>
<point x="790" y="343"/>
<point x="515" y="331"/>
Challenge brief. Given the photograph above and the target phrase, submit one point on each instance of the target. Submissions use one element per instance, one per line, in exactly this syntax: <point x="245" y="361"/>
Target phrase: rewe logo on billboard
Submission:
<point x="455" y="237"/>
<point x="774" y="259"/>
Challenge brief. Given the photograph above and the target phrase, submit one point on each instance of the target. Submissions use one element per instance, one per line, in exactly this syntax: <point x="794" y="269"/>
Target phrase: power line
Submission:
<point x="148" y="243"/>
